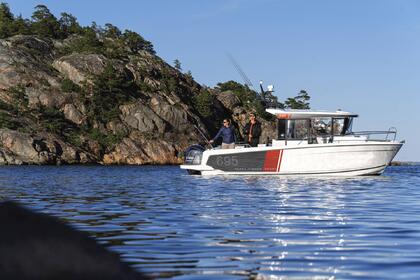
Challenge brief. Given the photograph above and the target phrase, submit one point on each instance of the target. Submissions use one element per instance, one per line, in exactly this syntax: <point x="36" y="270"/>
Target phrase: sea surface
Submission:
<point x="172" y="225"/>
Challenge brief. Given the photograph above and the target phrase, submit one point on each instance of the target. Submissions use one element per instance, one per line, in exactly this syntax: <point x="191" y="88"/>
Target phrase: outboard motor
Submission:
<point x="193" y="155"/>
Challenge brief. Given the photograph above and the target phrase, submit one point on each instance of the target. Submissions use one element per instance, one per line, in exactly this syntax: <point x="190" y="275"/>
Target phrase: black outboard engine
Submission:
<point x="193" y="155"/>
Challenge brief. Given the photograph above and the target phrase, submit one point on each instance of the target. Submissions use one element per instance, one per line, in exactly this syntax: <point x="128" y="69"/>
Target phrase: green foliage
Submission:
<point x="109" y="40"/>
<point x="21" y="26"/>
<point x="177" y="65"/>
<point x="203" y="103"/>
<point x="5" y="106"/>
<point x="106" y="141"/>
<point x="69" y="25"/>
<point x="110" y="90"/>
<point x="18" y="93"/>
<point x="111" y="31"/>
<point x="67" y="85"/>
<point x="6" y="21"/>
<point x="7" y="122"/>
<point x="24" y="129"/>
<point x="189" y="75"/>
<point x="53" y="120"/>
<point x="44" y="23"/>
<point x="136" y="42"/>
<point x="86" y="42"/>
<point x="298" y="102"/>
<point x="243" y="92"/>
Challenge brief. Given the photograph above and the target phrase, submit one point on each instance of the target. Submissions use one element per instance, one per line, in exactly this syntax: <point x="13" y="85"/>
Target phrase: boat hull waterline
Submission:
<point x="331" y="159"/>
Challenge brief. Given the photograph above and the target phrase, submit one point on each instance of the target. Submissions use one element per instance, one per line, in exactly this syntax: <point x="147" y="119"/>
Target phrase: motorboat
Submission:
<point x="309" y="143"/>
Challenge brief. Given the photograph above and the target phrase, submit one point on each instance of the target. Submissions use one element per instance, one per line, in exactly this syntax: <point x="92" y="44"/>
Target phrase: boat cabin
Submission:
<point x="311" y="127"/>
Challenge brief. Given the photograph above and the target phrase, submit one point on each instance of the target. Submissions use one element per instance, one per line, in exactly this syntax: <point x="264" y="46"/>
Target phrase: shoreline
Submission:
<point x="404" y="163"/>
<point x="394" y="163"/>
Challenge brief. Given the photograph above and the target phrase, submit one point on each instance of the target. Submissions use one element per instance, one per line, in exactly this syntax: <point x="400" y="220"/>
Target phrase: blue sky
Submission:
<point x="361" y="55"/>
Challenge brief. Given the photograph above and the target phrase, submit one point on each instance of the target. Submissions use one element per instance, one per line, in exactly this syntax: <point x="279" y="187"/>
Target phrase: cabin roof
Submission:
<point x="307" y="114"/>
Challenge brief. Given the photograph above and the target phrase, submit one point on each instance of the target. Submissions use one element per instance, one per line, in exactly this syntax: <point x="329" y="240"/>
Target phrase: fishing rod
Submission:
<point x="203" y="135"/>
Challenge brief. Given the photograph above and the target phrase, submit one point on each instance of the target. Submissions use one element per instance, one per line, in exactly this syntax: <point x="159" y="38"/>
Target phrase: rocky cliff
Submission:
<point x="58" y="106"/>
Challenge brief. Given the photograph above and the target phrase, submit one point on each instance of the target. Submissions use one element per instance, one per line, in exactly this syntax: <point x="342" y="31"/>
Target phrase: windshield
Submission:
<point x="299" y="128"/>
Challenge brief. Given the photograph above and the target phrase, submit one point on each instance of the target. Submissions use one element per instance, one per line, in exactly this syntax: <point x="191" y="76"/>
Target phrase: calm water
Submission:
<point x="172" y="225"/>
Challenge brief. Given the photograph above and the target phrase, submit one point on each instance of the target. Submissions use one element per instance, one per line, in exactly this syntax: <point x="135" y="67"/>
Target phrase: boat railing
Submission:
<point x="385" y="135"/>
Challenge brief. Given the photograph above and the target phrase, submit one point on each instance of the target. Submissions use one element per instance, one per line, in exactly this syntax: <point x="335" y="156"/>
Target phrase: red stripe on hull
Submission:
<point x="271" y="160"/>
<point x="280" y="158"/>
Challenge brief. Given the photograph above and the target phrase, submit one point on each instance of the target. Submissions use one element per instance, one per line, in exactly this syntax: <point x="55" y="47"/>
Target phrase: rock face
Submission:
<point x="78" y="67"/>
<point x="142" y="118"/>
<point x="41" y="122"/>
<point x="22" y="148"/>
<point x="60" y="107"/>
<point x="228" y="99"/>
<point x="138" y="150"/>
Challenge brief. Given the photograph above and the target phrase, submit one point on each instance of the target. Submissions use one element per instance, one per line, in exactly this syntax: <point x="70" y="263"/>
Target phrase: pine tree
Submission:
<point x="69" y="25"/>
<point x="44" y="23"/>
<point x="177" y="65"/>
<point x="136" y="42"/>
<point x="298" y="102"/>
<point x="6" y="21"/>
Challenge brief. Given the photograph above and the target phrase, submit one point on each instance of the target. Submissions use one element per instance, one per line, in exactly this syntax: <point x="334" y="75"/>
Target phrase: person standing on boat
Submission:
<point x="252" y="131"/>
<point x="227" y="132"/>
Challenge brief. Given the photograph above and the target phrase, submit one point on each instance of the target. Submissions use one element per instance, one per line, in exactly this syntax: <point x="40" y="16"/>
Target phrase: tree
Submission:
<point x="298" y="102"/>
<point x="203" y="103"/>
<point x="5" y="12"/>
<point x="110" y="90"/>
<point x="21" y="26"/>
<point x="244" y="93"/>
<point x="136" y="42"/>
<point x="44" y="23"/>
<point x="69" y="25"/>
<point x="6" y="21"/>
<point x="189" y="75"/>
<point x="177" y="64"/>
<point x="88" y="42"/>
<point x="112" y="31"/>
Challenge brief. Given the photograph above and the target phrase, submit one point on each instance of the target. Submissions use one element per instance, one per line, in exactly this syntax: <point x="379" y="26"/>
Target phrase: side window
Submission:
<point x="338" y="126"/>
<point x="348" y="126"/>
<point x="321" y="126"/>
<point x="297" y="129"/>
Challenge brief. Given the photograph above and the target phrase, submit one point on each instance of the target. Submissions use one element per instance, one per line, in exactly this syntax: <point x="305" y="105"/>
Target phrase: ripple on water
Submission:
<point x="172" y="225"/>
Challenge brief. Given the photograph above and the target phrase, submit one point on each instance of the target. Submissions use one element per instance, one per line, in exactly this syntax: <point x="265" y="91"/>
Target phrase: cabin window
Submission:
<point x="348" y="126"/>
<point x="338" y="126"/>
<point x="342" y="126"/>
<point x="299" y="129"/>
<point x="292" y="129"/>
<point x="321" y="126"/>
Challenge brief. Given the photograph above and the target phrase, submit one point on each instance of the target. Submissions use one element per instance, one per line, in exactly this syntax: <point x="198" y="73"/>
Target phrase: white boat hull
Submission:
<point x="330" y="159"/>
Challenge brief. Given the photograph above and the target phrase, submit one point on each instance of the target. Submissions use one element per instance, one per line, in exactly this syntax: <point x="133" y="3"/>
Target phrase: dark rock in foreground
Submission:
<point x="37" y="246"/>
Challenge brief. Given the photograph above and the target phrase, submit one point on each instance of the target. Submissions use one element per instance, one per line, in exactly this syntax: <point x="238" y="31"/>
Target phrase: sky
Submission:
<point x="361" y="56"/>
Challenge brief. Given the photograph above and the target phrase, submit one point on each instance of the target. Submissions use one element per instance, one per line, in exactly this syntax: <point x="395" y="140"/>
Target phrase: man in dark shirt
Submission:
<point x="227" y="132"/>
<point x="252" y="131"/>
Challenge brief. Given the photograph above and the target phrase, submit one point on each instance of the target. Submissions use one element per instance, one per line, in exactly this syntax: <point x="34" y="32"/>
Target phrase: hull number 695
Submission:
<point x="227" y="161"/>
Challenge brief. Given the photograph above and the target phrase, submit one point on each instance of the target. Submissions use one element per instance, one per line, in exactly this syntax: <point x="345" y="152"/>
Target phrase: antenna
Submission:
<point x="262" y="90"/>
<point x="241" y="72"/>
<point x="266" y="97"/>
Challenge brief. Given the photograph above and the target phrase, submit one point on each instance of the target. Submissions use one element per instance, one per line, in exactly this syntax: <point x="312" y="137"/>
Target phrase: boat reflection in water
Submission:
<point x="310" y="143"/>
<point x="318" y="205"/>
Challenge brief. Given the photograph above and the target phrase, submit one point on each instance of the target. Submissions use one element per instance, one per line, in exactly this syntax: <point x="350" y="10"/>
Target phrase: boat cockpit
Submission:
<point x="297" y="127"/>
